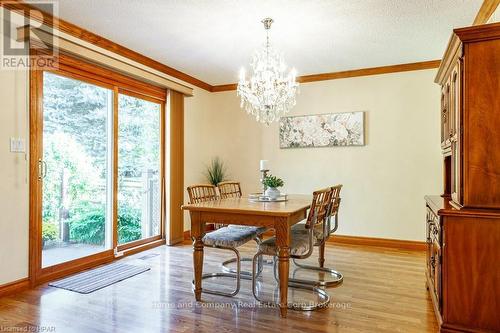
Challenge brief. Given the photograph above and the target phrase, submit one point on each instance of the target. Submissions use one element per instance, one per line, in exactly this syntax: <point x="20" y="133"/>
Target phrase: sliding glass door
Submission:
<point x="77" y="123"/>
<point x="139" y="169"/>
<point x="96" y="152"/>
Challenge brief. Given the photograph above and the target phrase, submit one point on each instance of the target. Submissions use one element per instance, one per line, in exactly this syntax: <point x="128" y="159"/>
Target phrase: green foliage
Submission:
<point x="76" y="126"/>
<point x="139" y="136"/>
<point x="273" y="181"/>
<point x="216" y="171"/>
<point x="129" y="224"/>
<point x="87" y="224"/>
<point x="49" y="231"/>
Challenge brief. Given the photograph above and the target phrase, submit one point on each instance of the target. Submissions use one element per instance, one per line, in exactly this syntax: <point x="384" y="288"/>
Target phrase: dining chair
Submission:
<point x="229" y="189"/>
<point x="201" y="193"/>
<point x="301" y="246"/>
<point x="232" y="189"/>
<point x="322" y="233"/>
<point x="225" y="238"/>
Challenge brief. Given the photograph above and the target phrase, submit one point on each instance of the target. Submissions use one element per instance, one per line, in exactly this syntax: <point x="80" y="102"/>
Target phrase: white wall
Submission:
<point x="385" y="180"/>
<point x="13" y="177"/>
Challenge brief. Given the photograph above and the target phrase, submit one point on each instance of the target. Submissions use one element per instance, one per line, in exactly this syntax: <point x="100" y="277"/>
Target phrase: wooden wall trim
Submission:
<point x="88" y="36"/>
<point x="379" y="242"/>
<point x="486" y="11"/>
<point x="224" y="87"/>
<point x="14" y="287"/>
<point x="35" y="190"/>
<point x="176" y="141"/>
<point x="352" y="73"/>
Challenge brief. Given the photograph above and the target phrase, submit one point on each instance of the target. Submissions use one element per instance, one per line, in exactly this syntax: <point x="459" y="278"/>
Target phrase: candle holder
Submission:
<point x="264" y="175"/>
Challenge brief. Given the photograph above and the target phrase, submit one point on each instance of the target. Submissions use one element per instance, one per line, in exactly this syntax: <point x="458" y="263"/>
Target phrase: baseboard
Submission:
<point x="363" y="241"/>
<point x="379" y="242"/>
<point x="176" y="240"/>
<point x="14" y="287"/>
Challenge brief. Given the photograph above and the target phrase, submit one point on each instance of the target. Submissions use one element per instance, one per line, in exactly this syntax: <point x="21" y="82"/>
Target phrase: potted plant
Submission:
<point x="272" y="183"/>
<point x="216" y="171"/>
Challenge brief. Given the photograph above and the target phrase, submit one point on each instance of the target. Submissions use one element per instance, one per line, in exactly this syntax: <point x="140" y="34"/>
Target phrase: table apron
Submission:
<point x="240" y="219"/>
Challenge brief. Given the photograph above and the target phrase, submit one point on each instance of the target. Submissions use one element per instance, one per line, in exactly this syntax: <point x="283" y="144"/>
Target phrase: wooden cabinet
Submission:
<point x="463" y="271"/>
<point x="470" y="115"/>
<point x="463" y="224"/>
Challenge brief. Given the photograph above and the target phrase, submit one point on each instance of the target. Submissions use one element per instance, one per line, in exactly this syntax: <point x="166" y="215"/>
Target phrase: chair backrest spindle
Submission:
<point x="335" y="200"/>
<point x="319" y="207"/>
<point x="201" y="193"/>
<point x="229" y="189"/>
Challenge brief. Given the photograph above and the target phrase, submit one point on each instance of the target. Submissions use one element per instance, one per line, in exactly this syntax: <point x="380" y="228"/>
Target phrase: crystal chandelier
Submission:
<point x="270" y="92"/>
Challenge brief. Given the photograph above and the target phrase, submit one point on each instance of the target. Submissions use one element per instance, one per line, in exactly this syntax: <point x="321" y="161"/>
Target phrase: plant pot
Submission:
<point x="272" y="192"/>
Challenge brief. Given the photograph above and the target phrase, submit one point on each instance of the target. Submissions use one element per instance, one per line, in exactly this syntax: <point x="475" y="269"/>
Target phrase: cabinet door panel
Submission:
<point x="436" y="270"/>
<point x="481" y="175"/>
<point x="445" y="114"/>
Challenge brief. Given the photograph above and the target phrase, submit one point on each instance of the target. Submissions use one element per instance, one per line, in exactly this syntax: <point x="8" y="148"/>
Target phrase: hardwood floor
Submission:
<point x="383" y="291"/>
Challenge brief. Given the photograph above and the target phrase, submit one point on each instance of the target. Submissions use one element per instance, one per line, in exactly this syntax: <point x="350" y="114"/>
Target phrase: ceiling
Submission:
<point x="212" y="39"/>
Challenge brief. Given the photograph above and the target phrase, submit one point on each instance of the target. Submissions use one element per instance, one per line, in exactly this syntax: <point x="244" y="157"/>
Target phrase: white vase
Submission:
<point x="272" y="192"/>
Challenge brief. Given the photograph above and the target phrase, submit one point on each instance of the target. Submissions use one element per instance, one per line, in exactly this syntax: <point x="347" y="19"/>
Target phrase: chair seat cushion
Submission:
<point x="258" y="230"/>
<point x="229" y="237"/>
<point x="318" y="230"/>
<point x="299" y="244"/>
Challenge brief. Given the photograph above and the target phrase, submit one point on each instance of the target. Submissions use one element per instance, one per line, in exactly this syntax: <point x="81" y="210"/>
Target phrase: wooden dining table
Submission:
<point x="277" y="215"/>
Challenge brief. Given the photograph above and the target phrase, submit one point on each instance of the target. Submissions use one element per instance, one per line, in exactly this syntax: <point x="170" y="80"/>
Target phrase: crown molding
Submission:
<point x="224" y="87"/>
<point x="415" y="66"/>
<point x="487" y="9"/>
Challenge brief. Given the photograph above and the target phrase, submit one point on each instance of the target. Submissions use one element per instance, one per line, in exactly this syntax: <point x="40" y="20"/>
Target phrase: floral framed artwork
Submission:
<point x="323" y="130"/>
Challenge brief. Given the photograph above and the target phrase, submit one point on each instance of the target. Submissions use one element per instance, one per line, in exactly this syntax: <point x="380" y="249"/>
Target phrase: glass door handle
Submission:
<point x="42" y="169"/>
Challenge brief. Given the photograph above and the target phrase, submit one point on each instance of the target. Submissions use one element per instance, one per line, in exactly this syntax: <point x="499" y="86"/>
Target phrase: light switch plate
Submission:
<point x="17" y="145"/>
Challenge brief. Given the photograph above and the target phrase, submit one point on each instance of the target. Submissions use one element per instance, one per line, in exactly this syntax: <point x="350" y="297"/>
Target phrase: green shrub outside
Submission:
<point x="49" y="231"/>
<point x="87" y="224"/>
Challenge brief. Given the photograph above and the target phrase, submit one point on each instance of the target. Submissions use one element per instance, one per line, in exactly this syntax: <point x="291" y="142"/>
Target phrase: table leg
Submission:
<point x="282" y="228"/>
<point x="197" y="231"/>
